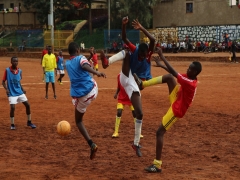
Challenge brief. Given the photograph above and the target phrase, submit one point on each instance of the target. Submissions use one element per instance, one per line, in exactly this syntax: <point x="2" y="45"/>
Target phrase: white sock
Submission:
<point x="138" y="129"/>
<point x="29" y="117"/>
<point x="116" y="57"/>
<point x="12" y="120"/>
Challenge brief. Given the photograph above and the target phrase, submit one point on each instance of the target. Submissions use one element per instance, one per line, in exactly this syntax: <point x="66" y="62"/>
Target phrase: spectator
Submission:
<point x="82" y="46"/>
<point x="22" y="46"/>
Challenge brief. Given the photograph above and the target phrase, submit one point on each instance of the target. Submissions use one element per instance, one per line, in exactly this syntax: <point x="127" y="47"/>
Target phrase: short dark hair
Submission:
<point x="13" y="58"/>
<point x="143" y="47"/>
<point x="197" y="67"/>
<point x="72" y="48"/>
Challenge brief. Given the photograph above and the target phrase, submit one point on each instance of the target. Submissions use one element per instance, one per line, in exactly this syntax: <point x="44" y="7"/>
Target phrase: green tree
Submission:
<point x="134" y="9"/>
<point x="62" y="8"/>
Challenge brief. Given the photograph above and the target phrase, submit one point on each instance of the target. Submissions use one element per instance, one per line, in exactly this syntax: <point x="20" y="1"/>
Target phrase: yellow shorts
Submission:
<point x="169" y="119"/>
<point x="121" y="106"/>
<point x="96" y="66"/>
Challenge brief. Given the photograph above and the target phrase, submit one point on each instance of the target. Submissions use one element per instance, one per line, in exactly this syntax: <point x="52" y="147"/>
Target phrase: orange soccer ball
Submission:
<point x="63" y="128"/>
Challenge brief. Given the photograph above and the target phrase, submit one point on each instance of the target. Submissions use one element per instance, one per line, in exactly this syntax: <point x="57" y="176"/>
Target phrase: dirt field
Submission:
<point x="205" y="144"/>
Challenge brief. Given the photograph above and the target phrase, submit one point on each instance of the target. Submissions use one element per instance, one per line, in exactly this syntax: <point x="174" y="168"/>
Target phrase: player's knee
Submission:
<point x="119" y="113"/>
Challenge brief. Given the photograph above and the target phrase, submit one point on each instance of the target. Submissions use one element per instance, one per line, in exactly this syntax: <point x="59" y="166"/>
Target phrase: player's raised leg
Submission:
<point x="116" y="57"/>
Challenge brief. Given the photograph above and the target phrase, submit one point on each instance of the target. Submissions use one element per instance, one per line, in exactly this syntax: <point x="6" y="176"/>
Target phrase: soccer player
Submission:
<point x="123" y="100"/>
<point x="44" y="51"/>
<point x="83" y="89"/>
<point x="136" y="61"/>
<point x="180" y="96"/>
<point x="49" y="65"/>
<point x="94" y="59"/>
<point x="60" y="67"/>
<point x="15" y="91"/>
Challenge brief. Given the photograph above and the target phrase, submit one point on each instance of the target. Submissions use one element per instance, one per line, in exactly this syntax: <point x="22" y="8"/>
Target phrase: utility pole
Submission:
<point x="52" y="25"/>
<point x="109" y="21"/>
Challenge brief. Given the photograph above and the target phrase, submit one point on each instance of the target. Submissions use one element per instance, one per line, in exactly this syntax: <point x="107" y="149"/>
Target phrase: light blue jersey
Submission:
<point x="13" y="83"/>
<point x="81" y="81"/>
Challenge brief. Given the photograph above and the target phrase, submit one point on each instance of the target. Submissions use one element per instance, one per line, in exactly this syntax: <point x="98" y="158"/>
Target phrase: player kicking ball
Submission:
<point x="180" y="96"/>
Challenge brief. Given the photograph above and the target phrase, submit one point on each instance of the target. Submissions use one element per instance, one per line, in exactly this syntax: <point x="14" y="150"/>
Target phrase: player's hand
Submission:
<point x="136" y="24"/>
<point x="7" y="91"/>
<point x="159" y="51"/>
<point x="24" y="91"/>
<point x="125" y="20"/>
<point x="115" y="96"/>
<point x="158" y="61"/>
<point x="99" y="74"/>
<point x="91" y="51"/>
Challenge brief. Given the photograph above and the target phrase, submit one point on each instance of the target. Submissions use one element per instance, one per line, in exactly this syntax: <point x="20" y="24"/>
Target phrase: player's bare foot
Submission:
<point x="104" y="60"/>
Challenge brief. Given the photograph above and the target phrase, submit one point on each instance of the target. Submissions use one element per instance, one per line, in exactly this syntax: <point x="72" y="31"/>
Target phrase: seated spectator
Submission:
<point x="169" y="47"/>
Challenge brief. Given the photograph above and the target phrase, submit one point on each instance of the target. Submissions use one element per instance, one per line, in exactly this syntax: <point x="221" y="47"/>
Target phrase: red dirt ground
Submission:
<point x="205" y="144"/>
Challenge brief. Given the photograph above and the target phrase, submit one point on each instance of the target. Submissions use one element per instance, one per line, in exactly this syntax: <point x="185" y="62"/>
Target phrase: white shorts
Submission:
<point x="129" y="84"/>
<point x="82" y="103"/>
<point x="17" y="99"/>
<point x="60" y="72"/>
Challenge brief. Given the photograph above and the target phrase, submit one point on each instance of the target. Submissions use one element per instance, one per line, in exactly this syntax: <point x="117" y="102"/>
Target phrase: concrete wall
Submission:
<point x="17" y="19"/>
<point x="173" y="13"/>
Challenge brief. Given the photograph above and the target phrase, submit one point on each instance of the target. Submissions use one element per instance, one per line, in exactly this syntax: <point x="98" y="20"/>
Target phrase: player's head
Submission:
<point x="49" y="49"/>
<point x="73" y="48"/>
<point x="194" y="69"/>
<point x="14" y="61"/>
<point x="60" y="53"/>
<point x="142" y="51"/>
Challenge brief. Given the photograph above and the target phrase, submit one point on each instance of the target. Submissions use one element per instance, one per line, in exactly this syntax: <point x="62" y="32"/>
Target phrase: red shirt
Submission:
<point x="95" y="59"/>
<point x="5" y="73"/>
<point x="122" y="95"/>
<point x="185" y="95"/>
<point x="44" y="52"/>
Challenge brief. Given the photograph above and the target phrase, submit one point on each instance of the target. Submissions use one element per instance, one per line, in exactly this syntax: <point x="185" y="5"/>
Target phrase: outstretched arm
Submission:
<point x="169" y="67"/>
<point x="88" y="68"/>
<point x="124" y="36"/>
<point x="138" y="26"/>
<point x="159" y="64"/>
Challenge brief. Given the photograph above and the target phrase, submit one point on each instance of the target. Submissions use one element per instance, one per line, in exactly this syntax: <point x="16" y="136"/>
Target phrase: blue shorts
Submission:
<point x="49" y="77"/>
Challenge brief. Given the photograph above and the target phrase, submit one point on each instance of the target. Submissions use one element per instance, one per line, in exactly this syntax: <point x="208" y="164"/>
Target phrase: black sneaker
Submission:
<point x="138" y="81"/>
<point x="137" y="149"/>
<point x="93" y="151"/>
<point x="31" y="125"/>
<point x="153" y="169"/>
<point x="13" y="127"/>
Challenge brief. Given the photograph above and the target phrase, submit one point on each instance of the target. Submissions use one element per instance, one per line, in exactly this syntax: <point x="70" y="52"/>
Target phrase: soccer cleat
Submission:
<point x="55" y="97"/>
<point x="13" y="127"/>
<point x="31" y="125"/>
<point x="115" y="135"/>
<point x="141" y="136"/>
<point x="137" y="149"/>
<point x="61" y="83"/>
<point x="93" y="151"/>
<point x="46" y="97"/>
<point x="153" y="169"/>
<point x="104" y="60"/>
<point x="138" y="81"/>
